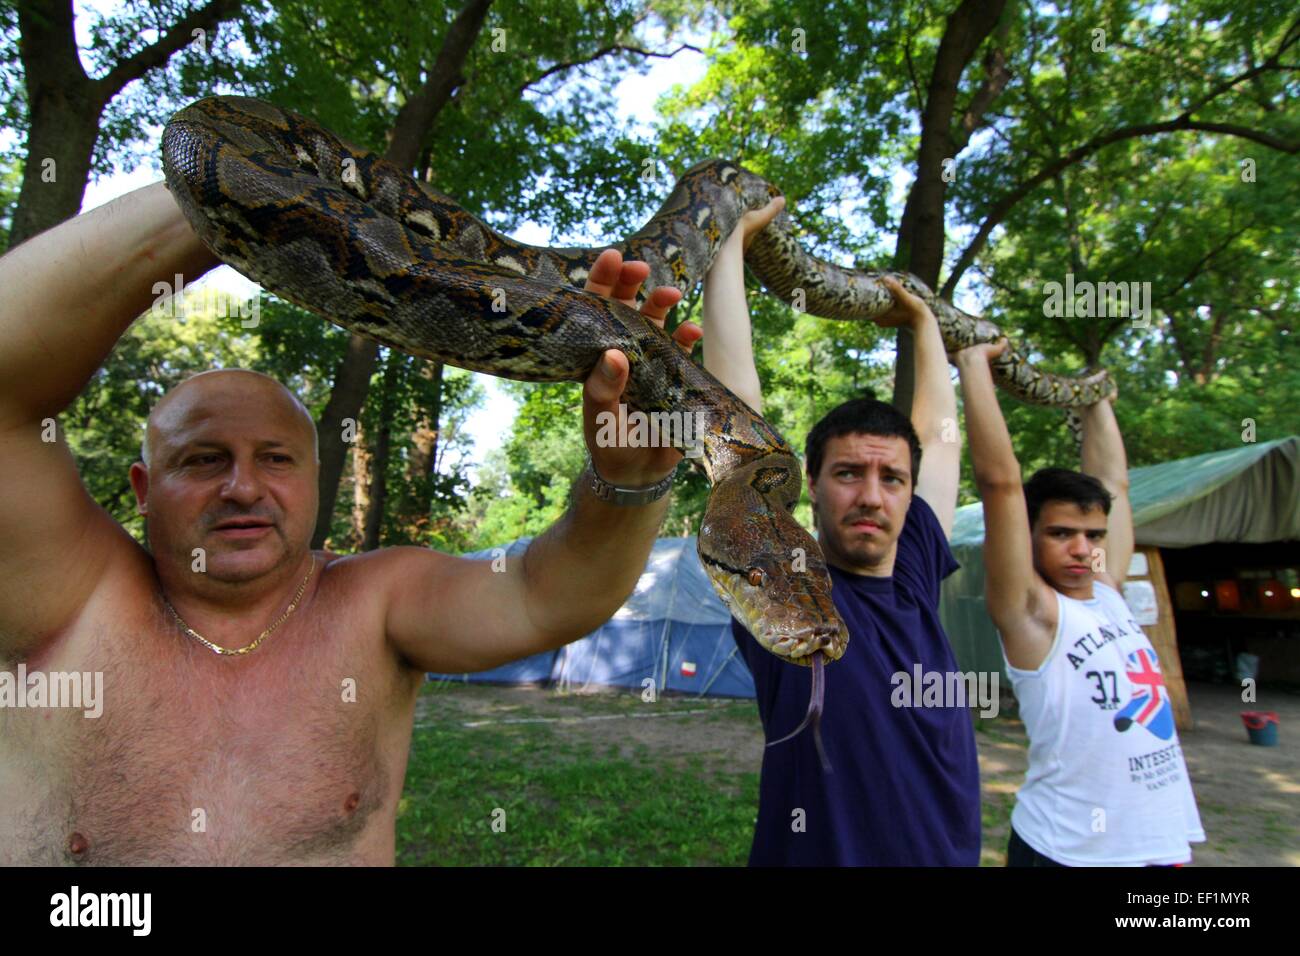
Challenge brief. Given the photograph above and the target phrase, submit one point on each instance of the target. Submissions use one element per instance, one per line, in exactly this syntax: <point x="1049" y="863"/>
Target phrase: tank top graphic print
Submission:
<point x="1107" y="784"/>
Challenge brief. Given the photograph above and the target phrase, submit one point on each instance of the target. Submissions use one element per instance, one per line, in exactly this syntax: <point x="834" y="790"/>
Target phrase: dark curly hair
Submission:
<point x="868" y="416"/>
<point x="1062" y="484"/>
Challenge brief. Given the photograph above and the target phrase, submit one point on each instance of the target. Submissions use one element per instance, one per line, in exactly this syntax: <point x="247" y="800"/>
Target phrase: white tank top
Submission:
<point x="1106" y="784"/>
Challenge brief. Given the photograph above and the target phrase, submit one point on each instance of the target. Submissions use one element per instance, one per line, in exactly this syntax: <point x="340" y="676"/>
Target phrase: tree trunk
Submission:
<point x="416" y="117"/>
<point x="65" y="105"/>
<point x="60" y="142"/>
<point x="417" y="496"/>
<point x="63" y="116"/>
<point x="412" y="126"/>
<point x="360" y="486"/>
<point x="374" y="519"/>
<point x="350" y="385"/>
<point x="920" y="233"/>
<point x="374" y="522"/>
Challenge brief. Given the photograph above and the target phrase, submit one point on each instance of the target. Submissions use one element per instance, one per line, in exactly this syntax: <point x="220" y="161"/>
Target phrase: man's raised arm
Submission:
<point x="451" y="615"/>
<point x="66" y="296"/>
<point x="1105" y="460"/>
<point x="729" y="350"/>
<point x="934" y="404"/>
<point x="1021" y="603"/>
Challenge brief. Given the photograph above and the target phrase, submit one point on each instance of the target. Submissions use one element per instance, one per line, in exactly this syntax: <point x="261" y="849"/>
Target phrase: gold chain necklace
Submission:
<point x="217" y="648"/>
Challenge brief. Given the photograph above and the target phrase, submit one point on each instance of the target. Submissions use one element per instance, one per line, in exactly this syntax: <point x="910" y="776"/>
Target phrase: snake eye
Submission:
<point x="756" y="577"/>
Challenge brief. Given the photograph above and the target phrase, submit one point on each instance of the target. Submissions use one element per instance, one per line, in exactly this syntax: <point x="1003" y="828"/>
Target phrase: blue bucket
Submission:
<point x="1261" y="726"/>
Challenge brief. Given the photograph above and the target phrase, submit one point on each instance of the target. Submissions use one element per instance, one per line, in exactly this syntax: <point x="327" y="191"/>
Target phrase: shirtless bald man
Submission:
<point x="201" y="755"/>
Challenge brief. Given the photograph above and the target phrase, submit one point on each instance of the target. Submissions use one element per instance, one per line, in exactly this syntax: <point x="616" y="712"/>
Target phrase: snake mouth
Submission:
<point x="796" y="630"/>
<point x="802" y="648"/>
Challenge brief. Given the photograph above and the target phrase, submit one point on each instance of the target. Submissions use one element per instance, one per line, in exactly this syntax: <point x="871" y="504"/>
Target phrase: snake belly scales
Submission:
<point x="350" y="236"/>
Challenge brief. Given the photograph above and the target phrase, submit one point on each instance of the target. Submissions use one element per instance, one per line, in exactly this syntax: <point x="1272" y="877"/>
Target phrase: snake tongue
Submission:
<point x="813" y="718"/>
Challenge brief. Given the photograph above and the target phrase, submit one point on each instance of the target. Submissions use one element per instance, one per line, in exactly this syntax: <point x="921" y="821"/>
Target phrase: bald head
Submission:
<point x="246" y="399"/>
<point x="221" y="448"/>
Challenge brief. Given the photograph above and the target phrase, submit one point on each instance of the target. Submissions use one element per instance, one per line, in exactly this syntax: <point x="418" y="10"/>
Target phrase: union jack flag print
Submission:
<point x="1149" y="705"/>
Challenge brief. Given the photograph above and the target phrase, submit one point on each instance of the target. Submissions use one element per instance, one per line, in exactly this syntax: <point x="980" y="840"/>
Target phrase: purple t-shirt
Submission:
<point x="905" y="787"/>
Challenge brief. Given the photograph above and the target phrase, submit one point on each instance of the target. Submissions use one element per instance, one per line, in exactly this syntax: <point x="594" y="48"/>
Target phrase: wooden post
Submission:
<point x="1164" y="637"/>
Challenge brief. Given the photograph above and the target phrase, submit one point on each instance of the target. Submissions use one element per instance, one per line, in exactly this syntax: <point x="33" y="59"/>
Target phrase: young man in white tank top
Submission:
<point x="1107" y="784"/>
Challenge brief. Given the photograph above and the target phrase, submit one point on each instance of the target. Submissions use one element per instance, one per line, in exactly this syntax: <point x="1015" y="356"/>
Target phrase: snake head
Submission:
<point x="768" y="570"/>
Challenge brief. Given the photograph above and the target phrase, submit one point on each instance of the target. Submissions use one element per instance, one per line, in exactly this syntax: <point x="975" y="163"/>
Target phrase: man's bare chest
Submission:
<point x="295" y="753"/>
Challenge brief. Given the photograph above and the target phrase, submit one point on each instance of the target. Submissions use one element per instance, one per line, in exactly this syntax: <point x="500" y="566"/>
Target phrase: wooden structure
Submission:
<point x="1164" y="635"/>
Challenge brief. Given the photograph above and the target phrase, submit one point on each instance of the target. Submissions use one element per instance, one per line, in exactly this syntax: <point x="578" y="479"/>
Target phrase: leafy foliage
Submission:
<point x="1072" y="168"/>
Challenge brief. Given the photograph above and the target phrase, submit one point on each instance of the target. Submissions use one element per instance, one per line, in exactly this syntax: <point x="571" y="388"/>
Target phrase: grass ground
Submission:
<point x="510" y="776"/>
<point x="538" y="793"/>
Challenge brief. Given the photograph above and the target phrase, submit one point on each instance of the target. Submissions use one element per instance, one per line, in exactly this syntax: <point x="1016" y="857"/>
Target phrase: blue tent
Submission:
<point x="673" y="630"/>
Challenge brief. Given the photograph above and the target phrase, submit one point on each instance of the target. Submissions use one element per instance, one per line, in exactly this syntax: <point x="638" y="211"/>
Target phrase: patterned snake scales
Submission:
<point x="348" y="235"/>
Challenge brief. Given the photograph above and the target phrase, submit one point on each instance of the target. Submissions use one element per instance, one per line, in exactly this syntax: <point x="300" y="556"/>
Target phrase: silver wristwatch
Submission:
<point x="628" y="496"/>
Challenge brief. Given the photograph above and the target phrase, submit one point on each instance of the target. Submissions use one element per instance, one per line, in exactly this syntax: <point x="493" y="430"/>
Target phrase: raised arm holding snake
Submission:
<point x="904" y="789"/>
<point x="247" y="700"/>
<point x="352" y="237"/>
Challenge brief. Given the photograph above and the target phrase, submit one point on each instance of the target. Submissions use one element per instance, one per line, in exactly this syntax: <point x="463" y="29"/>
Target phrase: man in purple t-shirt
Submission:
<point x="905" y="786"/>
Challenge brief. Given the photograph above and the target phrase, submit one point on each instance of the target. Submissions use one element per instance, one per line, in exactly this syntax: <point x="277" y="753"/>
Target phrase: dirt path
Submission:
<point x="1249" y="797"/>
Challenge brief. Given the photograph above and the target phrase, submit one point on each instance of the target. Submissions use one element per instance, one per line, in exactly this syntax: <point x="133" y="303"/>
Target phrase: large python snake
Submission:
<point x="352" y="237"/>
